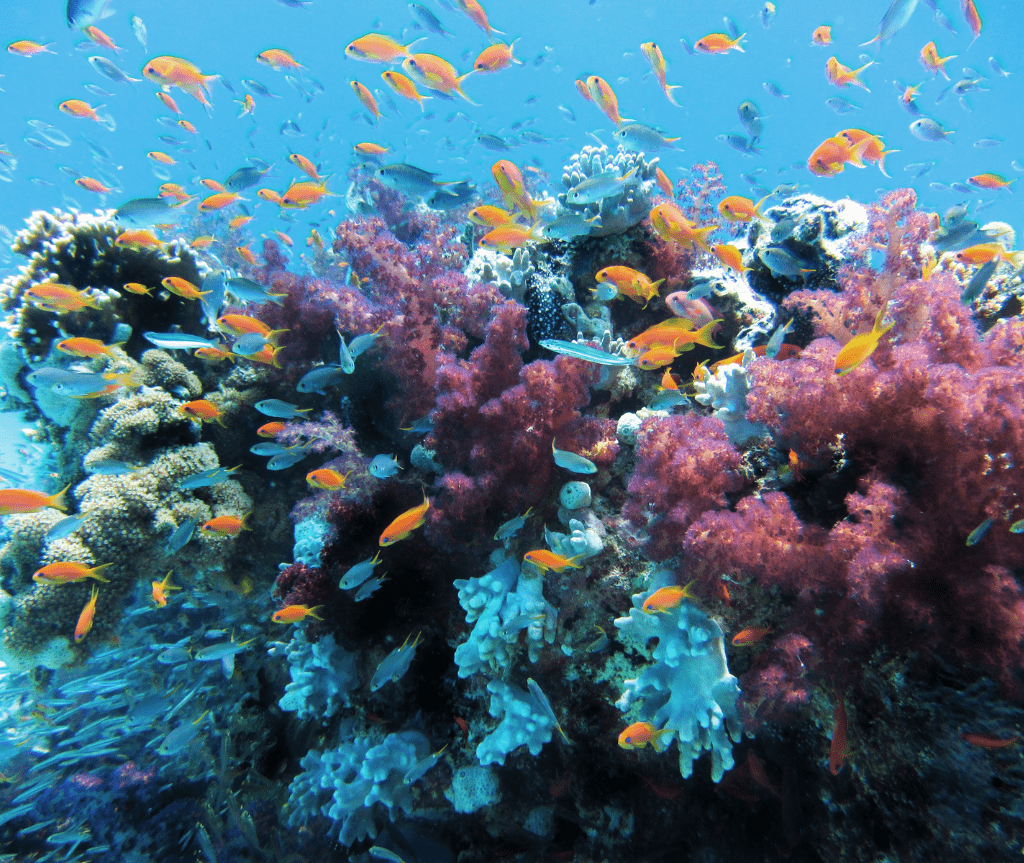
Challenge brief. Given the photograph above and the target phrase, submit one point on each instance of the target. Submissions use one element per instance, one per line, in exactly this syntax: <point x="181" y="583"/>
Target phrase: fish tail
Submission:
<point x="59" y="500"/>
<point x="96" y="569"/>
<point x="458" y="87"/>
<point x="668" y="95"/>
<point x="703" y="335"/>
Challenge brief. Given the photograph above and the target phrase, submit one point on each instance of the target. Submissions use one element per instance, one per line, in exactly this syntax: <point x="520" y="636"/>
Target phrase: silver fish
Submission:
<point x="280" y="409"/>
<point x="597" y="188"/>
<point x="284" y="460"/>
<point x="249" y="291"/>
<point x="177" y="341"/>
<point x="640" y="138"/>
<point x="572" y="462"/>
<point x="139" y="29"/>
<point x="928" y="129"/>
<point x="111" y="70"/>
<point x="146" y="212"/>
<point x="782" y="263"/>
<point x="584" y="352"/>
<point x="408" y="179"/>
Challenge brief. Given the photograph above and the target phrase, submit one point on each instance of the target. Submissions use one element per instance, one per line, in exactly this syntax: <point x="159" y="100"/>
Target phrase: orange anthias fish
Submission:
<point x="654" y="56"/>
<point x="168" y="101"/>
<point x="664" y="183"/>
<point x="822" y="35"/>
<point x="85" y="619"/>
<point x="271" y="429"/>
<point x="630" y="283"/>
<point x="300" y="195"/>
<point x="675" y="331"/>
<point x="403" y="86"/>
<point x="175" y="72"/>
<point x="247" y="255"/>
<point x="376" y="48"/>
<point x="982" y="253"/>
<point x="213" y="185"/>
<point x="991" y="181"/>
<point x="837" y="749"/>
<point x="718" y="43"/>
<point x="101" y="39"/>
<point x="988" y="741"/>
<point x="28" y="48"/>
<point x="182" y="287"/>
<point x="364" y="95"/>
<point x="203" y="411"/>
<point x="218" y="201"/>
<point x="477" y="15"/>
<point x="55" y="297"/>
<point x="831" y="156"/>
<point x="80" y="346"/>
<point x="295" y="614"/>
<point x="972" y="17"/>
<point x="602" y="95"/>
<point x="931" y="60"/>
<point x="489" y="216"/>
<point x="188" y="127"/>
<point x="506" y="238"/>
<point x="278" y="58"/>
<point x="639" y="734"/>
<point x="436" y="73"/>
<point x="91" y="184"/>
<point x="306" y="166"/>
<point x="403" y="526"/>
<point x="138" y="288"/>
<point x="266" y="355"/>
<point x="225" y="525"/>
<point x="15" y="500"/>
<point x="326" y="478"/>
<point x="545" y="560"/>
<point x="78" y="108"/>
<point x="844" y="76"/>
<point x="240" y="325"/>
<point x="160" y="589"/>
<point x="672" y="226"/>
<point x="496" y="57"/>
<point x="162" y="158"/>
<point x="873" y="150"/>
<point x="513" y="189"/>
<point x="736" y="208"/>
<point x="68" y="572"/>
<point x="731" y="257"/>
<point x="139" y="238"/>
<point x="368" y="148"/>
<point x="664" y="599"/>
<point x="750" y="635"/>
<point x="859" y="348"/>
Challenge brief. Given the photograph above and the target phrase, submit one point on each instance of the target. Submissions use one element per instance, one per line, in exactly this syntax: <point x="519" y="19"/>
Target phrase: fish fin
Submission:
<point x="59" y="500"/>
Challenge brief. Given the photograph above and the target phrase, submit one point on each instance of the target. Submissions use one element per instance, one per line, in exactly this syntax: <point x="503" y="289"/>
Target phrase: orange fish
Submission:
<point x="214" y="353"/>
<point x="173" y="190"/>
<point x="736" y="208"/>
<point x="505" y="238"/>
<point x="102" y="39"/>
<point x="750" y="635"/>
<point x="366" y="97"/>
<point x="139" y="238"/>
<point x="15" y="500"/>
<point x="162" y="158"/>
<point x="602" y="95"/>
<point x="137" y="288"/>
<point x="513" y="189"/>
<point x="654" y="56"/>
<point x="78" y="108"/>
<point x="972" y="17"/>
<point x="436" y="73"/>
<point x="188" y="127"/>
<point x="326" y="478"/>
<point x="278" y="58"/>
<point x="269" y="195"/>
<point x="203" y="411"/>
<point x="639" y="734"/>
<point x="718" y="43"/>
<point x="581" y="86"/>
<point x="674" y="331"/>
<point x="664" y="183"/>
<point x="239" y="222"/>
<point x="988" y="741"/>
<point x="212" y="185"/>
<point x="671" y="225"/>
<point x="872" y="150"/>
<point x="91" y="184"/>
<point x="284" y="238"/>
<point x="731" y="257"/>
<point x="630" y="283"/>
<point x="160" y="589"/>
<point x="844" y="76"/>
<point x="240" y="325"/>
<point x="495" y="57"/>
<point x="931" y="60"/>
<point x="367" y="148"/>
<point x="306" y="166"/>
<point x="822" y="35"/>
<point x="267" y="355"/>
<point x="295" y="614"/>
<point x="218" y="201"/>
<point x="664" y="599"/>
<point x="83" y="347"/>
<point x="168" y="101"/>
<point x="831" y="156"/>
<point x="477" y="15"/>
<point x="247" y="255"/>
<point x="300" y="195"/>
<point x="489" y="216"/>
<point x="545" y="560"/>
<point x="375" y="48"/>
<point x="55" y="297"/>
<point x="837" y="749"/>
<point x="859" y="348"/>
<point x="403" y="87"/>
<point x="982" y="253"/>
<point x="182" y="287"/>
<point x="403" y="526"/>
<point x="225" y="525"/>
<point x="68" y="572"/>
<point x="248" y="105"/>
<point x="175" y="72"/>
<point x="657" y="357"/>
<point x="28" y="48"/>
<point x="991" y="181"/>
<point x="271" y="429"/>
<point x="86" y="617"/>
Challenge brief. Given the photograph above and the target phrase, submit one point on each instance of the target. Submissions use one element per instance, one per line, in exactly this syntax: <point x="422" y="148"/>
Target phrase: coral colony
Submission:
<point x="574" y="565"/>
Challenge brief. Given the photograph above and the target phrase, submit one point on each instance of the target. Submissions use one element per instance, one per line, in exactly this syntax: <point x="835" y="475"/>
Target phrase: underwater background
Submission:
<point x="603" y="448"/>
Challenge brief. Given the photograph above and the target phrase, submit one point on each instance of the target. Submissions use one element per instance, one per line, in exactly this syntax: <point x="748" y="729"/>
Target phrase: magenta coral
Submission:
<point x="685" y="465"/>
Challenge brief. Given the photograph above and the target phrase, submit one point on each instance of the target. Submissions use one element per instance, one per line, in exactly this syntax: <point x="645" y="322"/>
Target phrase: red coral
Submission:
<point x="685" y="466"/>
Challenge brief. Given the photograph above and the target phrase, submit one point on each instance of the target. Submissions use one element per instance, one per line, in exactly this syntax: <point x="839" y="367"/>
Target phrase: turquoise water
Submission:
<point x="438" y="614"/>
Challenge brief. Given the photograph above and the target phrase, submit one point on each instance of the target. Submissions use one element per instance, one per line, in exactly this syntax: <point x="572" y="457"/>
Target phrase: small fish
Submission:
<point x="597" y="188"/>
<point x="403" y="526"/>
<point x="571" y="461"/>
<point x="665" y="599"/>
<point x="295" y="614"/>
<point x="18" y="500"/>
<point x="544" y="704"/>
<point x="640" y="138"/>
<point x="319" y="378"/>
<point x="841" y="106"/>
<point x="860" y="347"/>
<point x="249" y="344"/>
<point x="211" y="476"/>
<point x="111" y="467"/>
<point x="369" y="588"/>
<point x="719" y="43"/>
<point x="280" y="409"/>
<point x="511" y="527"/>
<point x="778" y="337"/>
<point x="428" y="21"/>
<point x="285" y="460"/>
<point x="181" y="536"/>
<point x="66" y="526"/>
<point x="326" y="479"/>
<point x="837" y="749"/>
<point x="177" y="341"/>
<point x="545" y="560"/>
<point x="160" y="589"/>
<point x="139" y="29"/>
<point x="894" y="20"/>
<point x="585" y="352"/>
<point x="750" y="635"/>
<point x="988" y="741"/>
<point x="383" y="466"/>
<point x="394" y="666"/>
<point x="639" y="734"/>
<point x="782" y="263"/>
<point x="225" y="525"/>
<point x="357" y="574"/>
<point x="270" y="448"/>
<point x="85" y="619"/>
<point x="976" y="535"/>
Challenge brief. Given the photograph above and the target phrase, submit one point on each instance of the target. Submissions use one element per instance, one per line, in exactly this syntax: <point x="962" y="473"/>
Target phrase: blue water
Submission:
<point x="558" y="42"/>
